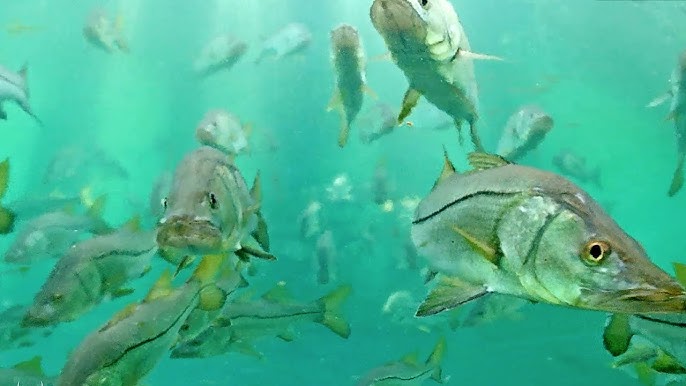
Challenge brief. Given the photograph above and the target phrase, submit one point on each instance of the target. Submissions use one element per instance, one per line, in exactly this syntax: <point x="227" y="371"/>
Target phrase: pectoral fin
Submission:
<point x="678" y="178"/>
<point x="449" y="293"/>
<point x="120" y="292"/>
<point x="252" y="248"/>
<point x="660" y="100"/>
<point x="409" y="102"/>
<point x="680" y="272"/>
<point x="488" y="252"/>
<point x="617" y="334"/>
<point x="448" y="169"/>
<point x="474" y="56"/>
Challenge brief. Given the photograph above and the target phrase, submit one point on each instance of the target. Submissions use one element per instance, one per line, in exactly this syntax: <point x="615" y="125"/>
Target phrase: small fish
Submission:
<point x="348" y="60"/>
<point x="325" y="258"/>
<point x="20" y="28"/>
<point x="14" y="88"/>
<point x="79" y="165"/>
<point x="7" y="216"/>
<point x="210" y="210"/>
<point x="515" y="230"/>
<point x="13" y="335"/>
<point x="309" y="221"/>
<point x="26" y="373"/>
<point x="573" y="165"/>
<point x="273" y="315"/>
<point x="427" y="42"/>
<point x="677" y="113"/>
<point x="220" y="54"/>
<point x="408" y="370"/>
<point x="111" y="355"/>
<point x="89" y="271"/>
<point x="524" y="131"/>
<point x="104" y="33"/>
<point x="380" y="184"/>
<point x="376" y="122"/>
<point x="289" y="40"/>
<point x="51" y="234"/>
<point x="224" y="131"/>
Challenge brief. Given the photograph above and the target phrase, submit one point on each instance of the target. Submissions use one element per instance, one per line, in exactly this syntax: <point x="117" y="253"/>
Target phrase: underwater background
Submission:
<point x="592" y="65"/>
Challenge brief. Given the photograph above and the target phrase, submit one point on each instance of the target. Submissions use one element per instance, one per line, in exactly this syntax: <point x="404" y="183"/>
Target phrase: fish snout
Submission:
<point x="38" y="317"/>
<point x="188" y="234"/>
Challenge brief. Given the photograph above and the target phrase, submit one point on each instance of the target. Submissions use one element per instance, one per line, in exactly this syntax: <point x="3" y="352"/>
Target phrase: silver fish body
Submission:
<point x="220" y="54"/>
<point x="524" y="131"/>
<point x="13" y="87"/>
<point x="222" y="130"/>
<point x="289" y="40"/>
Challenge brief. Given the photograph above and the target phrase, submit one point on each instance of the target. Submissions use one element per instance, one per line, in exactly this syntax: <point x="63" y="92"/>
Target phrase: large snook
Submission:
<point x="428" y="44"/>
<point x="525" y="232"/>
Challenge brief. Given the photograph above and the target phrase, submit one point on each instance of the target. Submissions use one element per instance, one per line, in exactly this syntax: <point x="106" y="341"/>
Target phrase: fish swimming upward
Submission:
<point x="427" y="42"/>
<point x="521" y="231"/>
<point x="13" y="87"/>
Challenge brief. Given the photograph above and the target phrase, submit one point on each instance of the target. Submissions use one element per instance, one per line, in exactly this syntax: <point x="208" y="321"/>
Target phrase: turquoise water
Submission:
<point x="592" y="65"/>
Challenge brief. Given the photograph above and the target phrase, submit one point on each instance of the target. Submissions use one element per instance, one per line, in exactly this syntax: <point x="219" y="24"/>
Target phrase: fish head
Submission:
<point x="202" y="208"/>
<point x="414" y="25"/>
<point x="537" y="120"/>
<point x="586" y="260"/>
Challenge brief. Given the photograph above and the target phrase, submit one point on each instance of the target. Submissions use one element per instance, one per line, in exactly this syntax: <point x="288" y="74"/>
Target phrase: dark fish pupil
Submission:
<point x="213" y="201"/>
<point x="596" y="251"/>
<point x="424" y="2"/>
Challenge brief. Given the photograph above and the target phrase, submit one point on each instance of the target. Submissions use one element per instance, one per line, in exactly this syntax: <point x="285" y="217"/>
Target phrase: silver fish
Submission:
<point x="89" y="271"/>
<point x="376" y="122"/>
<point x="677" y="113"/>
<point x="13" y="335"/>
<point x="105" y="33"/>
<point x="220" y="54"/>
<point x="289" y="40"/>
<point x="525" y="232"/>
<point x="427" y="42"/>
<point x="224" y="131"/>
<point x="325" y="257"/>
<point x="348" y="60"/>
<point x="14" y="88"/>
<point x="524" y="131"/>
<point x="210" y="210"/>
<point x="573" y="165"/>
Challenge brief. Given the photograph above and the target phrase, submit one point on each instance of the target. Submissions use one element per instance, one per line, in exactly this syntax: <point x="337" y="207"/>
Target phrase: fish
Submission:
<point x="210" y="210"/>
<point x="14" y="88"/>
<point x="378" y="121"/>
<point x="26" y="373"/>
<point x="573" y="165"/>
<point x="309" y="222"/>
<point x="325" y="258"/>
<point x="427" y="42"/>
<point x="380" y="184"/>
<point x="128" y="346"/>
<point x="274" y="314"/>
<point x="13" y="335"/>
<point x="523" y="132"/>
<point x="677" y="113"/>
<point x="223" y="131"/>
<point x="104" y="33"/>
<point x="349" y="65"/>
<point x="408" y="370"/>
<point x="340" y="188"/>
<point x="7" y="216"/>
<point x="289" y="40"/>
<point x="516" y="230"/>
<point x="18" y="28"/>
<point x="51" y="234"/>
<point x="487" y="309"/>
<point x="90" y="271"/>
<point x="220" y="54"/>
<point x="78" y="165"/>
<point x="28" y="207"/>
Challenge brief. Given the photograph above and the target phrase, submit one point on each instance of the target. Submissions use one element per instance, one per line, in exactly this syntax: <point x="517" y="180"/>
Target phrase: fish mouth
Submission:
<point x="633" y="301"/>
<point x="396" y="18"/>
<point x="33" y="318"/>
<point x="189" y="235"/>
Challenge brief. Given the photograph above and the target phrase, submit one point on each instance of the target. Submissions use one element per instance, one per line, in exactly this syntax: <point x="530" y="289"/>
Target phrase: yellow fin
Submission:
<point x="448" y="169"/>
<point x="212" y="298"/>
<point x="333" y="317"/>
<point x="368" y="90"/>
<point x="32" y="366"/>
<point x="96" y="208"/>
<point x="261" y="233"/>
<point x="344" y="132"/>
<point x="208" y="269"/>
<point x="436" y="356"/>
<point x="678" y="178"/>
<point x="335" y="102"/>
<point x="449" y="293"/>
<point x="7" y="219"/>
<point x="120" y="292"/>
<point x="667" y="364"/>
<point x="487" y="251"/>
<point x="86" y="196"/>
<point x="134" y="224"/>
<point x="121" y="315"/>
<point x="617" y="334"/>
<point x="483" y="161"/>
<point x="161" y="288"/>
<point x="4" y="176"/>
<point x="411" y="359"/>
<point x="410" y="100"/>
<point x="278" y="294"/>
<point x="646" y="375"/>
<point x="680" y="273"/>
<point x="287" y="335"/>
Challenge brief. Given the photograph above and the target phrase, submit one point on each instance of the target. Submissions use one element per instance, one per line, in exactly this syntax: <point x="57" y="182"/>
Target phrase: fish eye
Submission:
<point x="57" y="297"/>
<point x="164" y="203"/>
<point x="214" y="204"/>
<point x="595" y="252"/>
<point x="424" y="3"/>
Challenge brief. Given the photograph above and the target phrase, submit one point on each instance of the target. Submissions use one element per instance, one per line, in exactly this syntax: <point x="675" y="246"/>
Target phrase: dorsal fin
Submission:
<point x="161" y="288"/>
<point x="448" y="169"/>
<point x="277" y="294"/>
<point x="256" y="190"/>
<point x="133" y="224"/>
<point x="483" y="161"/>
<point x="32" y="366"/>
<point x="411" y="359"/>
<point x="96" y="208"/>
<point x="680" y="273"/>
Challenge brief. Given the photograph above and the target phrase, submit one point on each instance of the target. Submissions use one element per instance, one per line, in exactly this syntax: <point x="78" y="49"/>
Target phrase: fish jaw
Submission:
<point x="188" y="234"/>
<point x="651" y="300"/>
<point x="42" y="315"/>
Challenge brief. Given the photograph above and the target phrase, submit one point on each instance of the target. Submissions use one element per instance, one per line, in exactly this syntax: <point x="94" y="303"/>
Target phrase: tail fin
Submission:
<point x="332" y="317"/>
<point x="678" y="178"/>
<point x="435" y="358"/>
